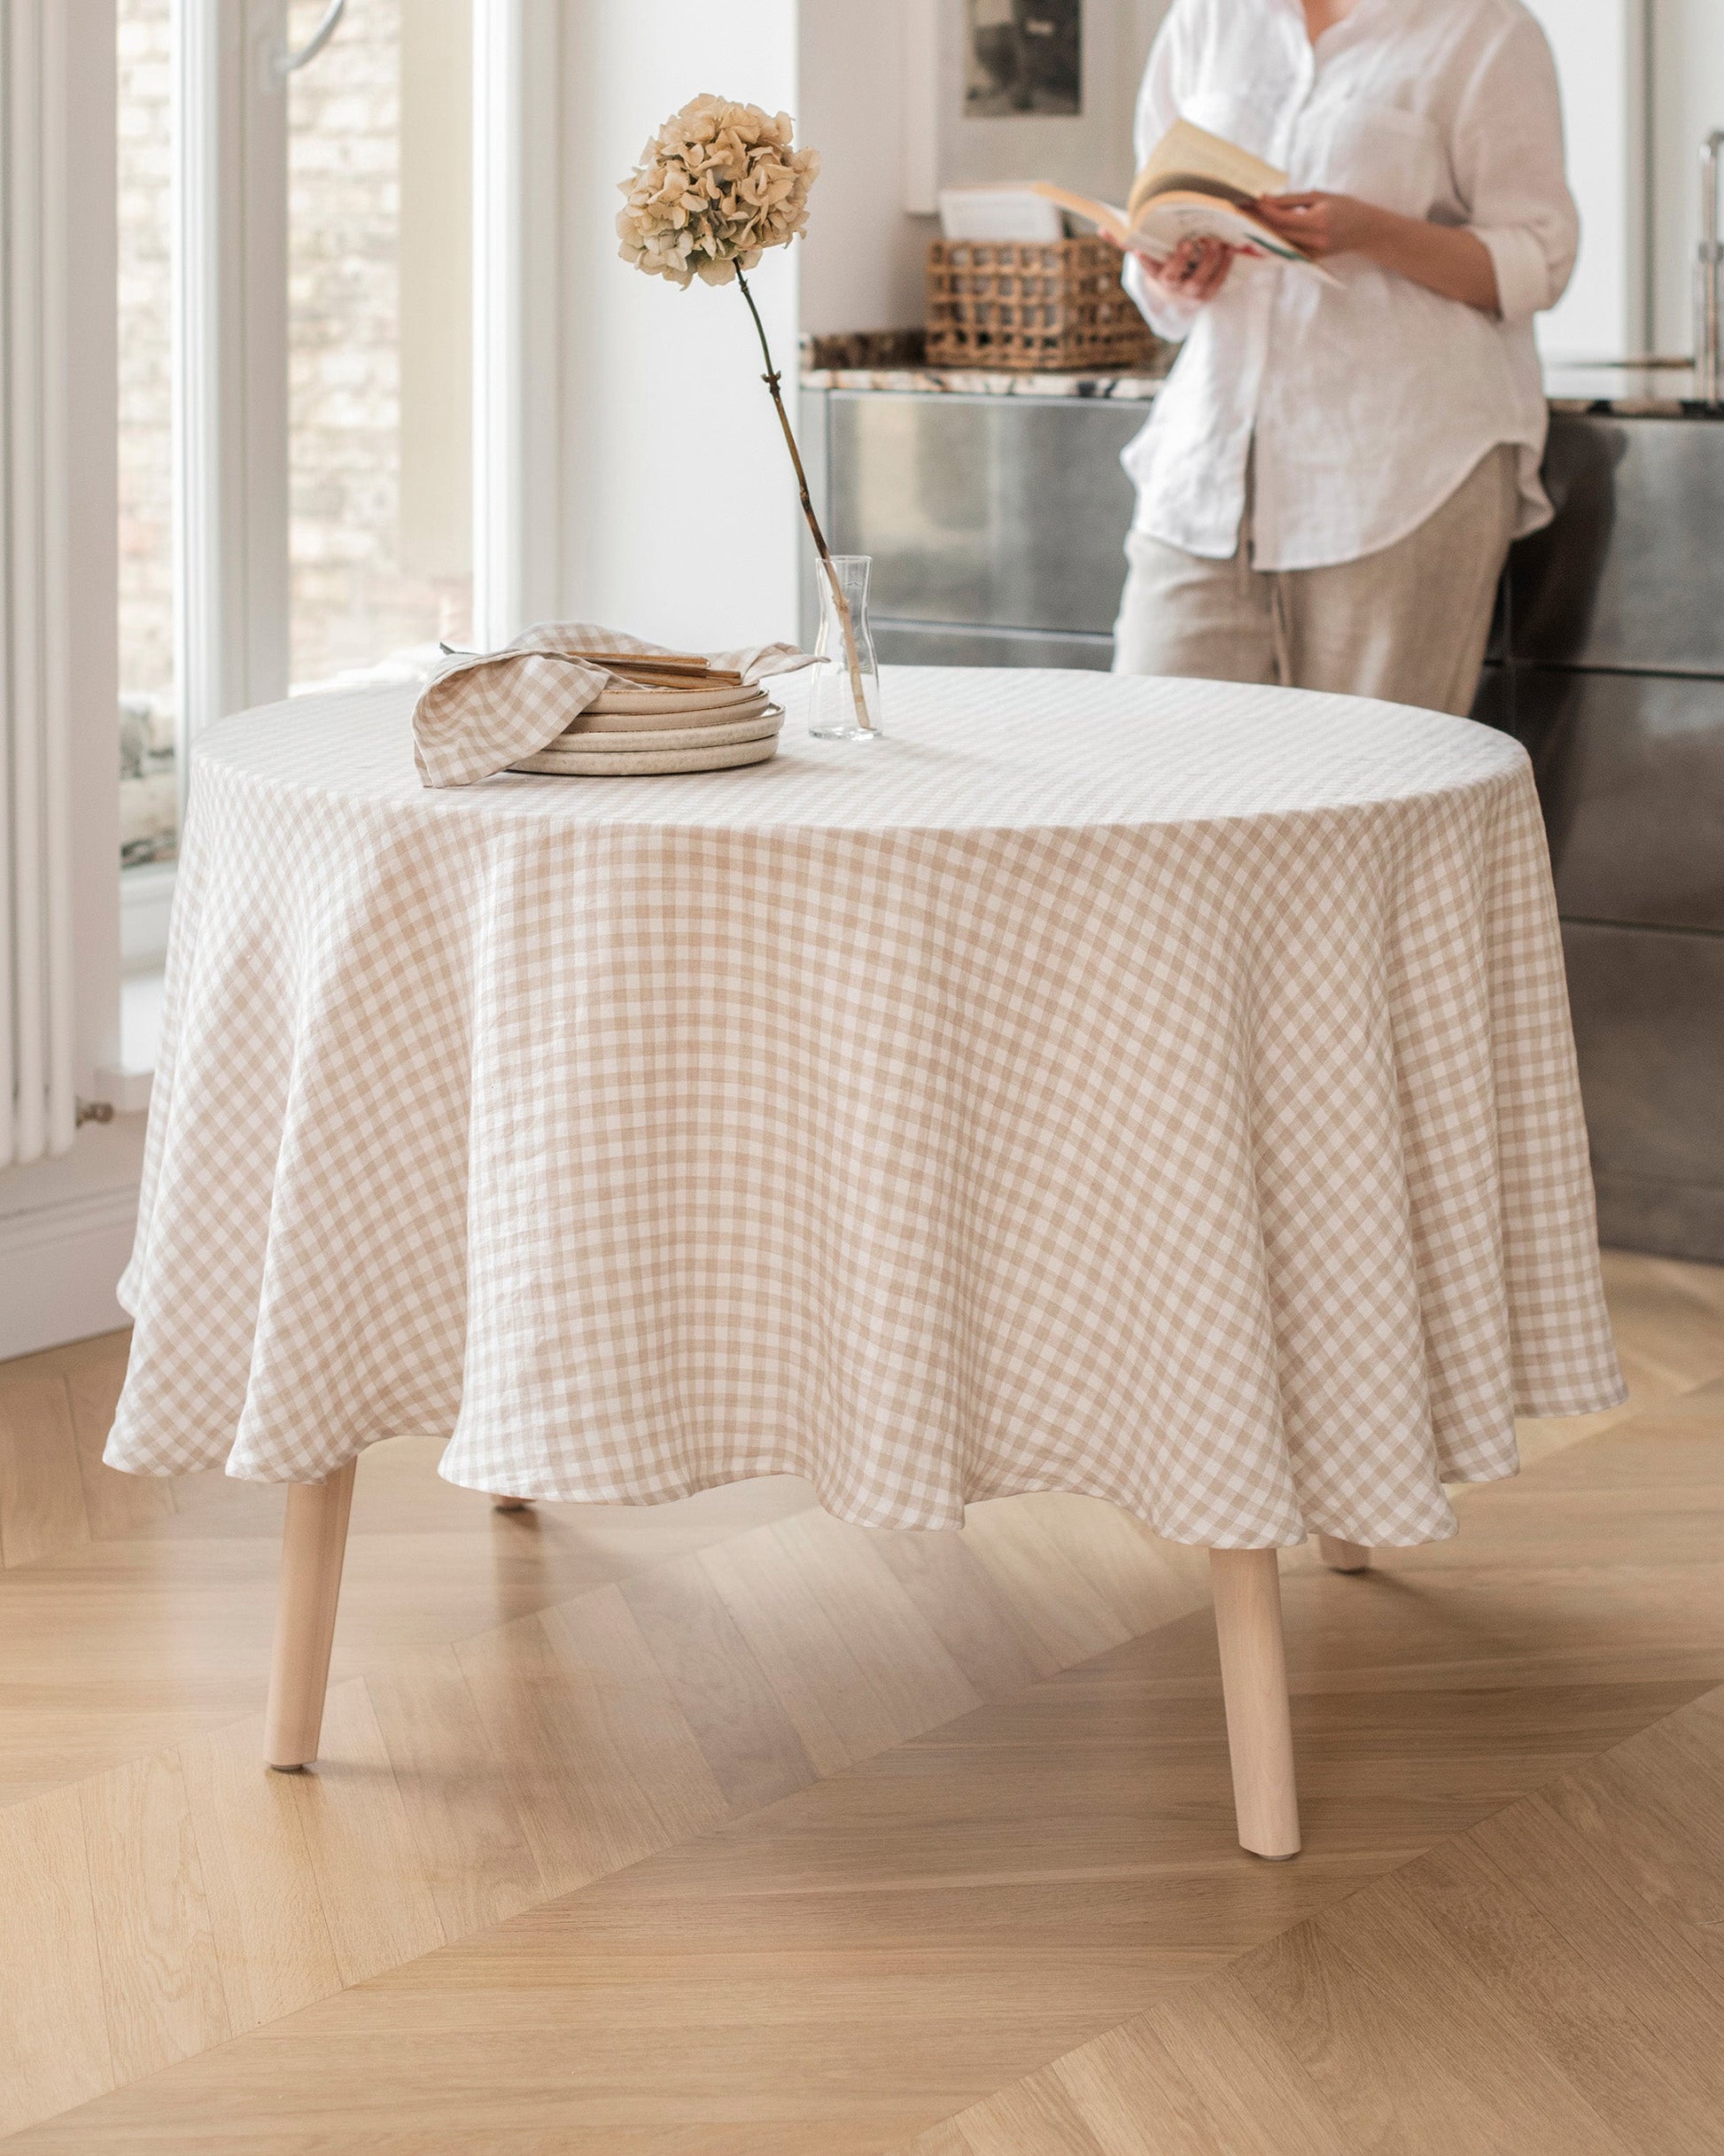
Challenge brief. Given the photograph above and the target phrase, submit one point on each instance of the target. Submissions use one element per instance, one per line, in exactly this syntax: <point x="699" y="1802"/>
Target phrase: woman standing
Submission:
<point x="1332" y="474"/>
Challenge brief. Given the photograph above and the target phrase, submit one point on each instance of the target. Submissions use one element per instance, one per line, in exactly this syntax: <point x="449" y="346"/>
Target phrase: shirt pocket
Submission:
<point x="1380" y="153"/>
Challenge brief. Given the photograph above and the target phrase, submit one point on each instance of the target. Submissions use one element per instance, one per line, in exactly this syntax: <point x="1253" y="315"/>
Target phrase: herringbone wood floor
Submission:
<point x="722" y="1827"/>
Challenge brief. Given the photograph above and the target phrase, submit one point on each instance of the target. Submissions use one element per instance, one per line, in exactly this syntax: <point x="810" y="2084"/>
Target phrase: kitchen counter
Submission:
<point x="893" y="361"/>
<point x="1661" y="392"/>
<point x="889" y="360"/>
<point x="994" y="510"/>
<point x="985" y="381"/>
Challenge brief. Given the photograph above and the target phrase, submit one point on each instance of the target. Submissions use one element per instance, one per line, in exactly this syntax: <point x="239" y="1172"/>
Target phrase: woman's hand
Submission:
<point x="1325" y="224"/>
<point x="1195" y="272"/>
<point x="1444" y="258"/>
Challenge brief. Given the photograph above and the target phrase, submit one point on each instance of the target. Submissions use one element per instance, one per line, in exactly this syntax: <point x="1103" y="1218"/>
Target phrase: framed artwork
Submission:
<point x="1023" y="55"/>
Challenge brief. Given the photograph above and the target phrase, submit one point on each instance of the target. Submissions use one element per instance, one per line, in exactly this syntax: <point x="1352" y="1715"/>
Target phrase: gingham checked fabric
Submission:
<point x="486" y="710"/>
<point x="1153" y="1089"/>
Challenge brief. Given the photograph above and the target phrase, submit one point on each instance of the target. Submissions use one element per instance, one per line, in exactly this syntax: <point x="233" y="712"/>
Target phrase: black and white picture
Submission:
<point x="1023" y="55"/>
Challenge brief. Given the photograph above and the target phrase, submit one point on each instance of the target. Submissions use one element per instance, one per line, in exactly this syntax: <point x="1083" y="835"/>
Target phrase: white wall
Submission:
<point x="1688" y="102"/>
<point x="862" y="260"/>
<point x="66" y="1228"/>
<point x="1599" y="47"/>
<point x="680" y="515"/>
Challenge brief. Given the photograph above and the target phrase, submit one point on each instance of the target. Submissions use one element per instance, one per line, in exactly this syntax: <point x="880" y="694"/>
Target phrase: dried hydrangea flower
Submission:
<point x="715" y="187"/>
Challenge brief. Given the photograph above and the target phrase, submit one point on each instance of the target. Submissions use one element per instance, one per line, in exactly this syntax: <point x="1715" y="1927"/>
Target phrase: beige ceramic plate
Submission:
<point x="623" y="724"/>
<point x="639" y="763"/>
<point x="755" y="729"/>
<point x="660" y="718"/>
<point x="614" y="702"/>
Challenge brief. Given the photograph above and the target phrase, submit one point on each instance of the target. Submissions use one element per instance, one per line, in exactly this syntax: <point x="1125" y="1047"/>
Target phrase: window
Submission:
<point x="350" y="361"/>
<point x="379" y="316"/>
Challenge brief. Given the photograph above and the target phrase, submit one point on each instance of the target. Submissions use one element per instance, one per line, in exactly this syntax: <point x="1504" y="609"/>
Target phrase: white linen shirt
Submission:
<point x="1369" y="404"/>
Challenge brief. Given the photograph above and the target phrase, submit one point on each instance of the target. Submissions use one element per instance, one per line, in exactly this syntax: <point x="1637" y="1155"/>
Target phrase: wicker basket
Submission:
<point x="1040" y="305"/>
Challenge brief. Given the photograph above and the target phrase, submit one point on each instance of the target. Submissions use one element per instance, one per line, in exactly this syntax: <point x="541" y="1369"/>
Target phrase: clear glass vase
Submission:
<point x="845" y="702"/>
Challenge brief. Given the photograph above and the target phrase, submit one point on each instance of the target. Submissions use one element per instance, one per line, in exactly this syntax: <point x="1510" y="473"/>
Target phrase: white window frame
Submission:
<point x="229" y="364"/>
<point x="57" y="134"/>
<point x="517" y="183"/>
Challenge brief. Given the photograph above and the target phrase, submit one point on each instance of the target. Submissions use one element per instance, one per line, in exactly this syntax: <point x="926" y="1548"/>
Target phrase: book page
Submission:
<point x="1188" y="156"/>
<point x="1103" y="215"/>
<point x="1183" y="213"/>
<point x="1165" y="220"/>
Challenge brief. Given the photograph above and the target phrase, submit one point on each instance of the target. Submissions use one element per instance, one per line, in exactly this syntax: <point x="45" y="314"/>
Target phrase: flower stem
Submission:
<point x="772" y="379"/>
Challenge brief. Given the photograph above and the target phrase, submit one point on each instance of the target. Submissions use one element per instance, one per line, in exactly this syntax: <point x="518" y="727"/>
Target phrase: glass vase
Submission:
<point x="844" y="705"/>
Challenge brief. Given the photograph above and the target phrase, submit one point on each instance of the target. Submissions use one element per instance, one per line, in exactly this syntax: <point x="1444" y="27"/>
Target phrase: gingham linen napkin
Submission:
<point x="483" y="714"/>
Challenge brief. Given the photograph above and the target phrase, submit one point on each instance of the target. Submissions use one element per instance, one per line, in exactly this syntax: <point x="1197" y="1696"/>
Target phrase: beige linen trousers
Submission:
<point x="1407" y="624"/>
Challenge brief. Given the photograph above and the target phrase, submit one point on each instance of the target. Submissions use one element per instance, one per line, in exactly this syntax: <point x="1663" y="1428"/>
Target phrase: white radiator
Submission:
<point x="38" y="1110"/>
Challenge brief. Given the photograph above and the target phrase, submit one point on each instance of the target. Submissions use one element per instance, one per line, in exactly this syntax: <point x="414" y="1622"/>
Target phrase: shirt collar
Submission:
<point x="1363" y="12"/>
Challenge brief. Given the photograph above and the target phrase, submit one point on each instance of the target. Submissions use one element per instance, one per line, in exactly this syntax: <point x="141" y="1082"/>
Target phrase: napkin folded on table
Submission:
<point x="483" y="712"/>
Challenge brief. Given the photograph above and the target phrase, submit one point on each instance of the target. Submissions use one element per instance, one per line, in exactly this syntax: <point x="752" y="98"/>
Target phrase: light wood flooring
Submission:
<point x="722" y="1827"/>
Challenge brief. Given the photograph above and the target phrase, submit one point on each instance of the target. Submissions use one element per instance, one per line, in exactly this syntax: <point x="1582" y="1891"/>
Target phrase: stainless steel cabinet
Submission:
<point x="1000" y="512"/>
<point x="1631" y="574"/>
<point x="1614" y="676"/>
<point x="1631" y="772"/>
<point x="937" y="643"/>
<point x="1649" y="1023"/>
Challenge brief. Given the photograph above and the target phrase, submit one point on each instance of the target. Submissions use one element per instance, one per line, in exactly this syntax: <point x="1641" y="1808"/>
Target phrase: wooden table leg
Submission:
<point x="511" y="1504"/>
<point x="1247" y="1587"/>
<point x="314" y="1542"/>
<point x="1343" y="1556"/>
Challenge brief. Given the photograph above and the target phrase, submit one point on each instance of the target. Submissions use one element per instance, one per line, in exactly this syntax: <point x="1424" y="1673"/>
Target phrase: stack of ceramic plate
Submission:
<point x="629" y="730"/>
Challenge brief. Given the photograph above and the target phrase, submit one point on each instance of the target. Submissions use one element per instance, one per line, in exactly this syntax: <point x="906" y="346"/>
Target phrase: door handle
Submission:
<point x="290" y="63"/>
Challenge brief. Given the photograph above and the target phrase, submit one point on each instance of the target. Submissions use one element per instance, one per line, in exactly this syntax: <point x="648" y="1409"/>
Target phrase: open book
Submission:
<point x="1195" y="186"/>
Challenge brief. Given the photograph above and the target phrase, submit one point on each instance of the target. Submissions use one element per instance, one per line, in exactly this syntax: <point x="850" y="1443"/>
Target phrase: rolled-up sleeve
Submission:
<point x="1509" y="172"/>
<point x="1157" y="107"/>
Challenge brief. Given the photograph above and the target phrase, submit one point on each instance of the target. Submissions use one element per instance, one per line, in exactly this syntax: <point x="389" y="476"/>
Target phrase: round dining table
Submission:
<point x="1160" y="1090"/>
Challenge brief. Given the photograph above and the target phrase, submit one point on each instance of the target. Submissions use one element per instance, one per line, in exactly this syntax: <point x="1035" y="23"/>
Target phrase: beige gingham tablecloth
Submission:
<point x="1153" y="1089"/>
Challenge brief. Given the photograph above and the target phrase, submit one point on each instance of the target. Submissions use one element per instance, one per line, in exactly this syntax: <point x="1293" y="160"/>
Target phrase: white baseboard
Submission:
<point x="58" y="1267"/>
